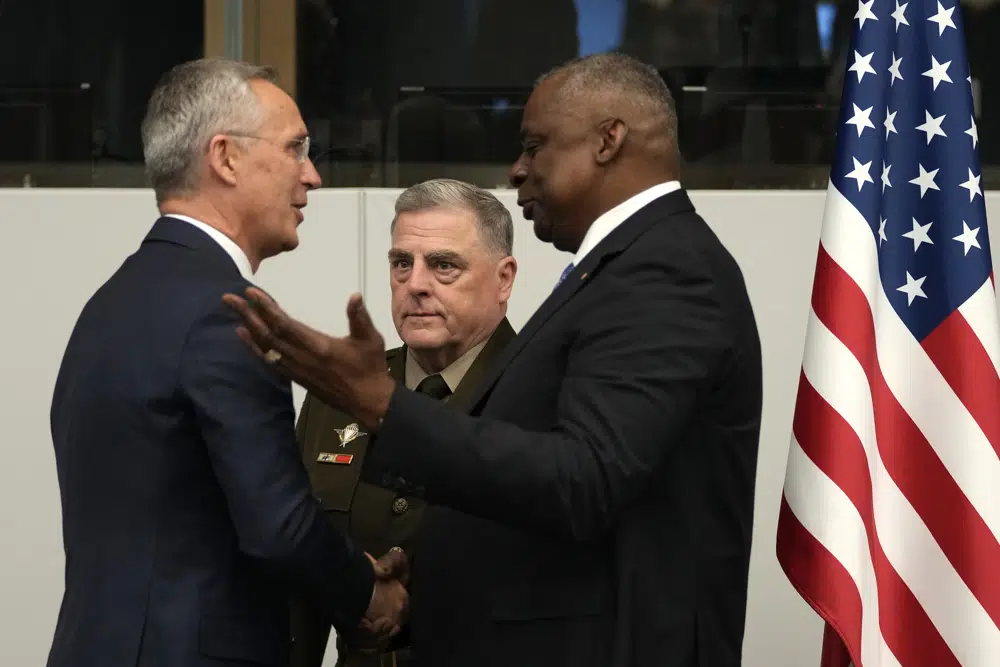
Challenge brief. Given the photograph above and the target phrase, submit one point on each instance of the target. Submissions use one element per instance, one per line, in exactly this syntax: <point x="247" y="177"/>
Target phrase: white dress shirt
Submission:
<point x="234" y="251"/>
<point x="607" y="222"/>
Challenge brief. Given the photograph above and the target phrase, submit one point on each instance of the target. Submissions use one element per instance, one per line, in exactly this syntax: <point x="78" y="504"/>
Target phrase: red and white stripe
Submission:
<point x="890" y="517"/>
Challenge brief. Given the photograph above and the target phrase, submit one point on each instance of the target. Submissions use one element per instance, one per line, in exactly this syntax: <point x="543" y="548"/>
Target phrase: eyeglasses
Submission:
<point x="299" y="147"/>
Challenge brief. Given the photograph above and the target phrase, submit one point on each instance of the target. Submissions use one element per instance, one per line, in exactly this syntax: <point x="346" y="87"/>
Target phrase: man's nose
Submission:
<point x="310" y="177"/>
<point x="420" y="279"/>
<point x="518" y="173"/>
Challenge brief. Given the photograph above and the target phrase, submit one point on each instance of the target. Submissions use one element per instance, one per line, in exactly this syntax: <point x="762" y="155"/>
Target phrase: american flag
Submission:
<point x="890" y="515"/>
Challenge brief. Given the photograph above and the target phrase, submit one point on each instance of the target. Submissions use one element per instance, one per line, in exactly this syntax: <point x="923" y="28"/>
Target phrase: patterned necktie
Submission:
<point x="434" y="386"/>
<point x="566" y="272"/>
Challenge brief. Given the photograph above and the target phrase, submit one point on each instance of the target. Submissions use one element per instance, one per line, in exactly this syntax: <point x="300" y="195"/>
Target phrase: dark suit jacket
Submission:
<point x="600" y="498"/>
<point x="186" y="509"/>
<point x="376" y="517"/>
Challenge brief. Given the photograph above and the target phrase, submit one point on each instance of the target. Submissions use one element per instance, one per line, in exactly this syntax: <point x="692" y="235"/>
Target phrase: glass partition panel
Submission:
<point x="74" y="78"/>
<point x="397" y="91"/>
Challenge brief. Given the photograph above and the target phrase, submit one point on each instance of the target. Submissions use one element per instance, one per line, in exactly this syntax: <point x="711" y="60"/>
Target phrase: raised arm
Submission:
<point x="635" y="371"/>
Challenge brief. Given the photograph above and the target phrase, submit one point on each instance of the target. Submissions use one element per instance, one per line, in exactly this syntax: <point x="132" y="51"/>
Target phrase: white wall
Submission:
<point x="62" y="244"/>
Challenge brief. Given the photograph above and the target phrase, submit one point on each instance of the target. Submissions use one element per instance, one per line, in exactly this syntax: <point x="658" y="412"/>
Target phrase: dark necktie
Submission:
<point x="434" y="386"/>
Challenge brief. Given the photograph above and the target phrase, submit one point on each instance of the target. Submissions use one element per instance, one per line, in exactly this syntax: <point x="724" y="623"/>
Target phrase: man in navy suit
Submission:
<point x="187" y="513"/>
<point x="595" y="506"/>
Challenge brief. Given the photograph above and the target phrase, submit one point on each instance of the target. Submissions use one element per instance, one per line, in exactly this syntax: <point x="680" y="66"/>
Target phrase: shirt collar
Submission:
<point x="452" y="375"/>
<point x="232" y="249"/>
<point x="606" y="223"/>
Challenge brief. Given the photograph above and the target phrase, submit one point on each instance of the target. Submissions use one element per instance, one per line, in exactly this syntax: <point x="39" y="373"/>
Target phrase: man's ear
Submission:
<point x="506" y="271"/>
<point x="612" y="134"/>
<point x="223" y="155"/>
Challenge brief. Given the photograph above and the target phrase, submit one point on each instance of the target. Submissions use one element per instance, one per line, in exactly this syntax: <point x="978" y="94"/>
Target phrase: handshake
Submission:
<point x="389" y="604"/>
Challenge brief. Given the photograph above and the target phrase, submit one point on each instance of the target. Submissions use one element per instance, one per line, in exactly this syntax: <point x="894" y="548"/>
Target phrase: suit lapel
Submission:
<point x="462" y="397"/>
<point x="617" y="241"/>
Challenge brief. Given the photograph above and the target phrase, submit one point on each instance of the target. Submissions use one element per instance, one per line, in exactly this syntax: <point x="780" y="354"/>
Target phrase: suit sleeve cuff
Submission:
<point x="369" y="580"/>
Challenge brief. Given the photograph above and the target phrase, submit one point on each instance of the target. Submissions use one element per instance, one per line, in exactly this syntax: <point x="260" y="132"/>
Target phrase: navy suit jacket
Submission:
<point x="187" y="512"/>
<point x="596" y="508"/>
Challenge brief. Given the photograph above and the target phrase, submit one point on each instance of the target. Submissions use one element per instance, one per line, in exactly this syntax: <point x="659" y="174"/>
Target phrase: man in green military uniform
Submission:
<point x="451" y="275"/>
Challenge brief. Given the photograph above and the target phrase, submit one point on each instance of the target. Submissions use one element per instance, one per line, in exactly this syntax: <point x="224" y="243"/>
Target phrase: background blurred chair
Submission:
<point x="429" y="137"/>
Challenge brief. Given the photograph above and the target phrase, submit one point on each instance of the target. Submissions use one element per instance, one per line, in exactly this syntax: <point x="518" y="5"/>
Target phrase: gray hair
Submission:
<point x="191" y="103"/>
<point x="622" y="78"/>
<point x="493" y="221"/>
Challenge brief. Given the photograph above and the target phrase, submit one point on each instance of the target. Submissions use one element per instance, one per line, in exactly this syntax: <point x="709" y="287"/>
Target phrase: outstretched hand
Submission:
<point x="348" y="373"/>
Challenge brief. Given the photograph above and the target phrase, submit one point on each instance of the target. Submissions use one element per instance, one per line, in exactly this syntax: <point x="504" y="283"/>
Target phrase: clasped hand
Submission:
<point x="390" y="602"/>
